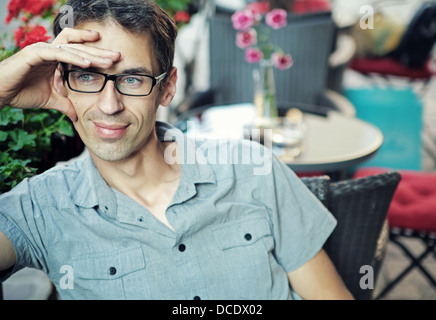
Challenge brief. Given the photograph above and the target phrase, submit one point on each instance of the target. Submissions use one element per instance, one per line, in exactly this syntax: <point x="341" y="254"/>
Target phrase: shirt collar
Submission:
<point x="91" y="190"/>
<point x="195" y="170"/>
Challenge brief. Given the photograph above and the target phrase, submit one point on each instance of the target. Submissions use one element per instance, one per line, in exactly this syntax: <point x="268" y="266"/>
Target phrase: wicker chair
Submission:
<point x="412" y="217"/>
<point x="360" y="207"/>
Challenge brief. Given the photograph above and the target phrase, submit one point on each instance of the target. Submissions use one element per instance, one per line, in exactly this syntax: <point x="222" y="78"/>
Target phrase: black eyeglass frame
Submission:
<point x="113" y="77"/>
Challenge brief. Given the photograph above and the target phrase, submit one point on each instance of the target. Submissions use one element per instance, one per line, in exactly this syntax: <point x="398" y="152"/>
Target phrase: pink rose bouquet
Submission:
<point x="253" y="26"/>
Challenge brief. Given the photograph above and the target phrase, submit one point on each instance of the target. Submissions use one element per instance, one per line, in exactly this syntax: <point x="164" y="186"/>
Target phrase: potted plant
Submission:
<point x="29" y="138"/>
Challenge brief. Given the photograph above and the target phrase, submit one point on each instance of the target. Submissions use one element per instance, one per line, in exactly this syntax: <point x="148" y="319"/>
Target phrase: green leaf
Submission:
<point x="8" y="53"/>
<point x="43" y="141"/>
<point x="4" y="157"/>
<point x="39" y="117"/>
<point x="10" y="115"/>
<point x="21" y="138"/>
<point x="65" y="128"/>
<point x="3" y="136"/>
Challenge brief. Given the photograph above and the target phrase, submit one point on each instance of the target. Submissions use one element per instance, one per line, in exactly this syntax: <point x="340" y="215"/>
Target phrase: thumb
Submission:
<point x="68" y="109"/>
<point x="64" y="105"/>
<point x="59" y="99"/>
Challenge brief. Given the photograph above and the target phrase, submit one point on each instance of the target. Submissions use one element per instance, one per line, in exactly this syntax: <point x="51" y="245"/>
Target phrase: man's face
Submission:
<point x="115" y="126"/>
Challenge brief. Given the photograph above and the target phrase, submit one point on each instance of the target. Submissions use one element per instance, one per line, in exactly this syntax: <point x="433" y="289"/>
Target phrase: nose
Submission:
<point x="109" y="100"/>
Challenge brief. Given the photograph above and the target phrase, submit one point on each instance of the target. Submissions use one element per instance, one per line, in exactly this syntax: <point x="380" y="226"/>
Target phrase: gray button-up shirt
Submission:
<point x="238" y="231"/>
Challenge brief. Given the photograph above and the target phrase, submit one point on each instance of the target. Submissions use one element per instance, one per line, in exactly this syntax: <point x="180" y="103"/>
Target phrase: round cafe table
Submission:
<point x="333" y="142"/>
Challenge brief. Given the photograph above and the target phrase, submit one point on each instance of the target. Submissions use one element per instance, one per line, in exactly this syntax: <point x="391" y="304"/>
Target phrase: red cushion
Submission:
<point x="306" y="6"/>
<point x="414" y="203"/>
<point x="388" y="66"/>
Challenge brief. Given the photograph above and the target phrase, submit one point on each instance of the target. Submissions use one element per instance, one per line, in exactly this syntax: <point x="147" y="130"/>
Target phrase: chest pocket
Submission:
<point x="242" y="233"/>
<point x="246" y="248"/>
<point x="118" y="274"/>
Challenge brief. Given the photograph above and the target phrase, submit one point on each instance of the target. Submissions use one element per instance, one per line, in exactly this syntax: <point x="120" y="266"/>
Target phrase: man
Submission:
<point x="133" y="219"/>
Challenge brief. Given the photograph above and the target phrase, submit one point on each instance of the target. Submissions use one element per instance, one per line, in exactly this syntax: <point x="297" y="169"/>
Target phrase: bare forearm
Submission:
<point x="319" y="280"/>
<point x="7" y="253"/>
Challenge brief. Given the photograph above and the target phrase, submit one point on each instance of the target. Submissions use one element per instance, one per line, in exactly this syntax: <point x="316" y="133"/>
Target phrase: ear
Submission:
<point x="58" y="83"/>
<point x="169" y="90"/>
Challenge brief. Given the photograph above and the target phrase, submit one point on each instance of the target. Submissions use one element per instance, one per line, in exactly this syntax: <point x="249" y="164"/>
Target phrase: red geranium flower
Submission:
<point x="37" y="7"/>
<point x="14" y="7"/>
<point x="34" y="7"/>
<point x="30" y="35"/>
<point x="19" y="36"/>
<point x="182" y="16"/>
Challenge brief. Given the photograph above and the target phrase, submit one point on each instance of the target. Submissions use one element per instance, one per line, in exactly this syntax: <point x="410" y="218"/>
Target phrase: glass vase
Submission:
<point x="265" y="94"/>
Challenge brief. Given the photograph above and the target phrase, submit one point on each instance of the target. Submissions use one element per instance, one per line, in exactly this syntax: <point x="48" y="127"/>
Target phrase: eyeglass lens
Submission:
<point x="130" y="84"/>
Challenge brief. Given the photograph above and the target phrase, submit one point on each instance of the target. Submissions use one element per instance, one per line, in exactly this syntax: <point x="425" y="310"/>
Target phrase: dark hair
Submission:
<point x="135" y="16"/>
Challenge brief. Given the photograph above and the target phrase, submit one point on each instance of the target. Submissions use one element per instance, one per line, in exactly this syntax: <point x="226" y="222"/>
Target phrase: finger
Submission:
<point x="70" y="38"/>
<point x="97" y="51"/>
<point x="91" y="53"/>
<point x="69" y="35"/>
<point x="64" y="105"/>
<point x="47" y="53"/>
<point x="41" y="54"/>
<point x="69" y="111"/>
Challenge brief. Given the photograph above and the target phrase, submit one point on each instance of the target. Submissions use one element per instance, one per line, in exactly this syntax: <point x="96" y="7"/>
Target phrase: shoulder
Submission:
<point x="64" y="173"/>
<point x="236" y="158"/>
<point x="55" y="174"/>
<point x="51" y="187"/>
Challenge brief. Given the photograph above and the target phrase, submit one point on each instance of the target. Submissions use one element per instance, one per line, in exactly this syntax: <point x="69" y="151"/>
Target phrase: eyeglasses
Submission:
<point x="127" y="84"/>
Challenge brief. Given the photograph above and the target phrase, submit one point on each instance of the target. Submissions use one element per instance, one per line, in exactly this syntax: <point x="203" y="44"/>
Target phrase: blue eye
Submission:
<point x="85" y="77"/>
<point x="132" y="81"/>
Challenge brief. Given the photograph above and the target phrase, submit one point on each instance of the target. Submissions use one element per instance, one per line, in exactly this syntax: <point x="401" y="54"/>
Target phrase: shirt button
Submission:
<point x="247" y="236"/>
<point x="197" y="298"/>
<point x="182" y="247"/>
<point x="112" y="271"/>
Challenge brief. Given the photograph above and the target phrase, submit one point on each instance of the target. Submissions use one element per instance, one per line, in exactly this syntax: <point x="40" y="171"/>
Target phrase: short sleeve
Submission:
<point x="301" y="223"/>
<point x="19" y="222"/>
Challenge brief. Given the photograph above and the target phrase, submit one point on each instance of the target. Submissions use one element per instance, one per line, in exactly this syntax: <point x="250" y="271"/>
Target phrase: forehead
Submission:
<point x="136" y="48"/>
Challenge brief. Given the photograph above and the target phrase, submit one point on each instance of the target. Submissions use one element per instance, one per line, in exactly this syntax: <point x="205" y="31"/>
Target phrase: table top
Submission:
<point x="333" y="143"/>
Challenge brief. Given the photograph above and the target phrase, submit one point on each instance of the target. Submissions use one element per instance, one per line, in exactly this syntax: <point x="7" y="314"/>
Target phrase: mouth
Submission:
<point x="110" y="130"/>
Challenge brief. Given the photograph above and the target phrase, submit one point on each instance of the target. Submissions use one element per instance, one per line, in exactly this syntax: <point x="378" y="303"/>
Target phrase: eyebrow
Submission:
<point x="139" y="70"/>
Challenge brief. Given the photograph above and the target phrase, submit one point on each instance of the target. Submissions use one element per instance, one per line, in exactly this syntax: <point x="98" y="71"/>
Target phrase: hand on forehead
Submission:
<point x="136" y="50"/>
